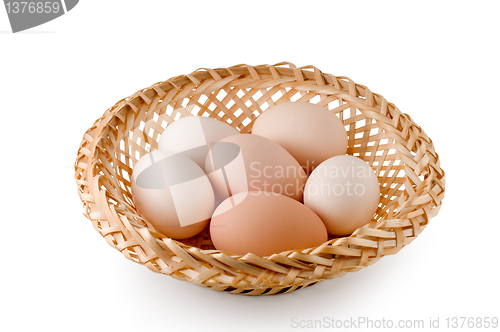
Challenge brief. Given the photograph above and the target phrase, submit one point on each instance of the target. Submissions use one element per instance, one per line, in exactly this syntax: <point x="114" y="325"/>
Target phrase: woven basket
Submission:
<point x="411" y="179"/>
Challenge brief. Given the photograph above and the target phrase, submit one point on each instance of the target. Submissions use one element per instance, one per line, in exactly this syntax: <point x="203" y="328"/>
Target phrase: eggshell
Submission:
<point x="344" y="192"/>
<point x="172" y="193"/>
<point x="311" y="133"/>
<point x="264" y="223"/>
<point x="191" y="136"/>
<point x="248" y="162"/>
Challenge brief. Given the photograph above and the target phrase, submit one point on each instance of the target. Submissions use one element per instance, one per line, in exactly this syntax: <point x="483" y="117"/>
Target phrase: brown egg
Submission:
<point x="310" y="133"/>
<point x="248" y="162"/>
<point x="265" y="223"/>
<point x="165" y="188"/>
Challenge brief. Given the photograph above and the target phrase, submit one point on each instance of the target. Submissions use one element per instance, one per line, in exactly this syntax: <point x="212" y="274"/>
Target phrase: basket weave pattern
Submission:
<point x="411" y="180"/>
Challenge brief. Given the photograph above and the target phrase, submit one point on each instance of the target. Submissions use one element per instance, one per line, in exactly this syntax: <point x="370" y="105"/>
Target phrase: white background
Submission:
<point x="436" y="60"/>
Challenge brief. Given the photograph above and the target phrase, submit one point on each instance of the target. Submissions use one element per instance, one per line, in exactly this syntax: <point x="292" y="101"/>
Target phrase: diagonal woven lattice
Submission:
<point x="411" y="180"/>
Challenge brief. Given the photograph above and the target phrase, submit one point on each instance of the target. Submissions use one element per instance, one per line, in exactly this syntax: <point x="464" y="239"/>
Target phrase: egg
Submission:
<point x="172" y="193"/>
<point x="191" y="136"/>
<point x="310" y="133"/>
<point x="264" y="223"/>
<point x="248" y="162"/>
<point x="344" y="192"/>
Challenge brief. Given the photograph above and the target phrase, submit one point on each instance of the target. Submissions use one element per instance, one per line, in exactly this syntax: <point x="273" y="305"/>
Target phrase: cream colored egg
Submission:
<point x="344" y="192"/>
<point x="192" y="135"/>
<point x="172" y="193"/>
<point x="265" y="223"/>
<point x="311" y="133"/>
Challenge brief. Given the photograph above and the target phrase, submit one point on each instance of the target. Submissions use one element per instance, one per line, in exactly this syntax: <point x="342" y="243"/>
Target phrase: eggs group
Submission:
<point x="286" y="186"/>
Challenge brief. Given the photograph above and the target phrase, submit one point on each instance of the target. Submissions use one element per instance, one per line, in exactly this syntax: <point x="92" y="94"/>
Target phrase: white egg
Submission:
<point x="344" y="192"/>
<point x="192" y="135"/>
<point x="172" y="193"/>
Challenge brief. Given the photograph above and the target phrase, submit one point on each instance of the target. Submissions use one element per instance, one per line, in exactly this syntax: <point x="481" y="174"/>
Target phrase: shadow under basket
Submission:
<point x="411" y="180"/>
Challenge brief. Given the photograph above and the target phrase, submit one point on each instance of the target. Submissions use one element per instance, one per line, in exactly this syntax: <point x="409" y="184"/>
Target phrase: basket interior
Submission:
<point x="240" y="106"/>
<point x="412" y="183"/>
